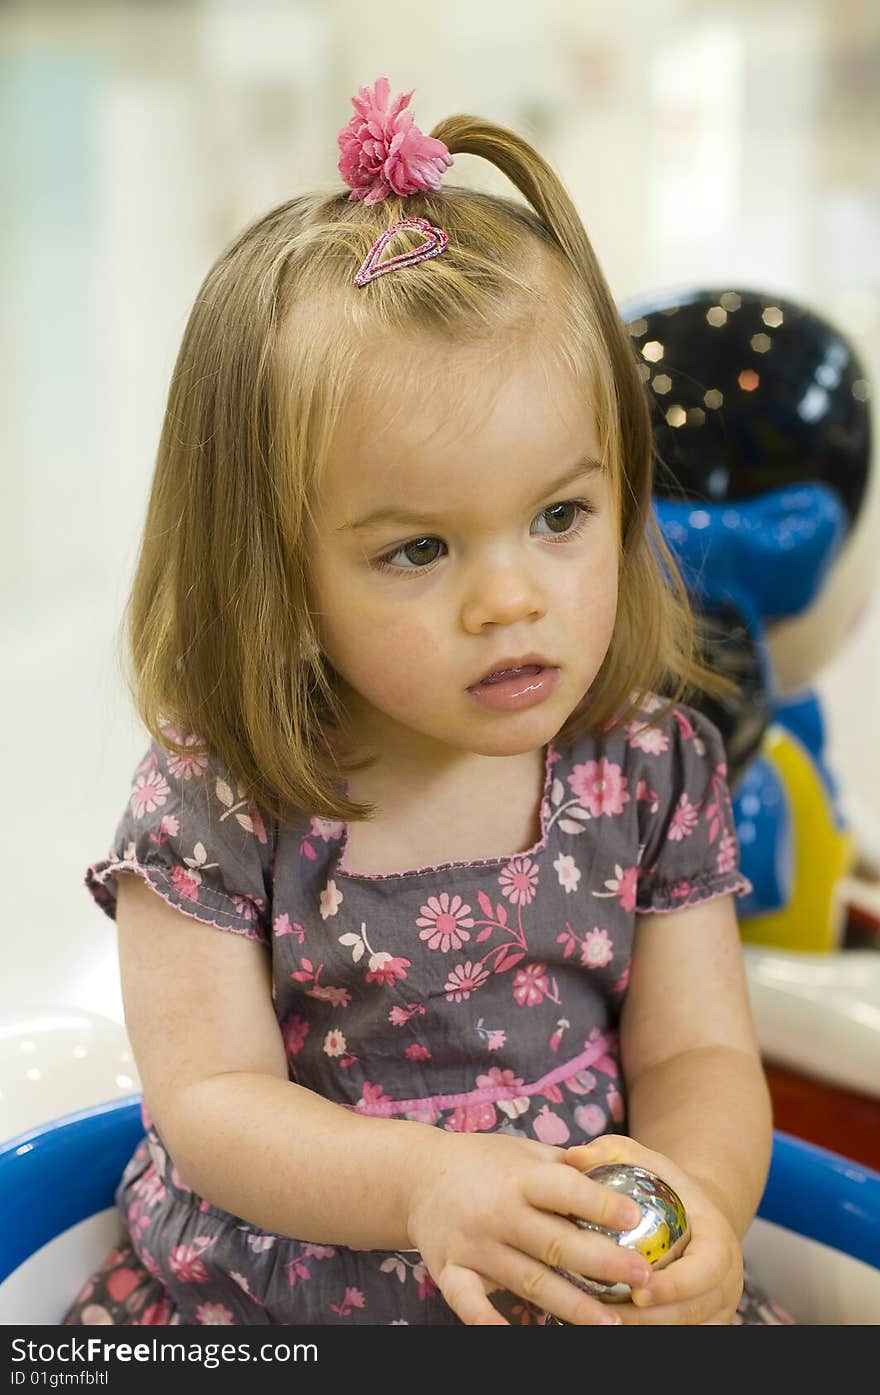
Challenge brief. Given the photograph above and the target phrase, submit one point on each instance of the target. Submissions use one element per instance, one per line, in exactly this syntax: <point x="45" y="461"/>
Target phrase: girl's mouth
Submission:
<point x="504" y="673"/>
<point x="508" y="690"/>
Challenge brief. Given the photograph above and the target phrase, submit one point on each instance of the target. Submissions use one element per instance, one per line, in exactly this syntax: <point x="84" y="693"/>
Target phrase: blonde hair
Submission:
<point x="220" y="634"/>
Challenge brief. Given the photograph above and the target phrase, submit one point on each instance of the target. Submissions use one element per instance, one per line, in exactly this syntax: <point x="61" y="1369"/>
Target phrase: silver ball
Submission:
<point x="660" y="1235"/>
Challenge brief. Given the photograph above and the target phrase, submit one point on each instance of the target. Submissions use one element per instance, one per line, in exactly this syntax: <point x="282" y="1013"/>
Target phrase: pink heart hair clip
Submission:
<point x="382" y="151"/>
<point x="372" y="267"/>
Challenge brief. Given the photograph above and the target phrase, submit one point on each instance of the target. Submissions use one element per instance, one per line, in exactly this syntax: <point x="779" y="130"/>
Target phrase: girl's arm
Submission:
<point x="697" y="1090"/>
<point x="199" y="1014"/>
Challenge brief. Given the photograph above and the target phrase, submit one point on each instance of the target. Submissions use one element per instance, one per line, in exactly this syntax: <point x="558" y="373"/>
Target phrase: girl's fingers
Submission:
<point x="693" y="1272"/>
<point x="617" y="1148"/>
<point x="560" y="1244"/>
<point x="571" y="1193"/>
<point x="696" y="1311"/>
<point x="465" y="1292"/>
<point x="528" y="1278"/>
<point x="613" y="1148"/>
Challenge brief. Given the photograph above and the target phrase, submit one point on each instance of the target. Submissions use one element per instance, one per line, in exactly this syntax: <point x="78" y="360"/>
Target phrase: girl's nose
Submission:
<point x="501" y="594"/>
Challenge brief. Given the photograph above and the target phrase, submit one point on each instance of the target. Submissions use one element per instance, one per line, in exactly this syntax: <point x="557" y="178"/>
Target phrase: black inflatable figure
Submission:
<point x="763" y="455"/>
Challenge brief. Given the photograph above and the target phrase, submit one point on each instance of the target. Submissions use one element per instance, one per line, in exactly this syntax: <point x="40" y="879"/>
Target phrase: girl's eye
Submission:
<point x="565" y="520"/>
<point x="421" y="552"/>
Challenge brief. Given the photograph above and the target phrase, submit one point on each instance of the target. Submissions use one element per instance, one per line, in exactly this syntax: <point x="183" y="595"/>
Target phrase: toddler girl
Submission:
<point x="400" y="625"/>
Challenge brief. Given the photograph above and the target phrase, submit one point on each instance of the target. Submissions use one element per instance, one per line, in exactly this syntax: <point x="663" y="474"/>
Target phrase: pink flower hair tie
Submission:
<point x="383" y="152"/>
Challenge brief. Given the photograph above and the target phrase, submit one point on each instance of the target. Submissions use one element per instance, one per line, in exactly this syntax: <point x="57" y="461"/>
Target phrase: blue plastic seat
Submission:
<point x="55" y="1178"/>
<point x="62" y="1173"/>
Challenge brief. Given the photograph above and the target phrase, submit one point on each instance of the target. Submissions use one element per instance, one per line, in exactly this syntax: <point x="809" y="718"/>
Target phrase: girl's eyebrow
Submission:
<point x="391" y="514"/>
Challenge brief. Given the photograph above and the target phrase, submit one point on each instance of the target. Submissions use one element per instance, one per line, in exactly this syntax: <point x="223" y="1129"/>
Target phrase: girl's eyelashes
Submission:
<point x="422" y="551"/>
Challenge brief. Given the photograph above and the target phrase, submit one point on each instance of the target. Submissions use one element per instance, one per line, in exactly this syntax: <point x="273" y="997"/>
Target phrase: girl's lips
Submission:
<point x="523" y="687"/>
<point x="512" y="664"/>
<point x="503" y="673"/>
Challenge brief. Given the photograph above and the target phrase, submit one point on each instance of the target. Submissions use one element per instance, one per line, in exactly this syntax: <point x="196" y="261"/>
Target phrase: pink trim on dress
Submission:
<point x="159" y="880"/>
<point x="600" y="1047"/>
<point x="550" y="758"/>
<point x="698" y="893"/>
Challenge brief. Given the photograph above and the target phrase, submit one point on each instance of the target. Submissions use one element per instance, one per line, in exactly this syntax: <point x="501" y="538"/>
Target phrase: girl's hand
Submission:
<point x="702" y="1286"/>
<point x="490" y="1211"/>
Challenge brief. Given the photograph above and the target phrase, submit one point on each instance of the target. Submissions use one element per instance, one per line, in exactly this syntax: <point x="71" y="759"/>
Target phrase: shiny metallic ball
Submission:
<point x="661" y="1234"/>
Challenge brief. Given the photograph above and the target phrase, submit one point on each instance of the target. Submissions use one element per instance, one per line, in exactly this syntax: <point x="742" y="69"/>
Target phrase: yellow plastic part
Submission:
<point x="653" y="1246"/>
<point x="813" y="920"/>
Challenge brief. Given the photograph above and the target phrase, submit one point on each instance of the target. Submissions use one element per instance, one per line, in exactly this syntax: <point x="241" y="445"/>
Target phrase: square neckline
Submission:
<point x="551" y="756"/>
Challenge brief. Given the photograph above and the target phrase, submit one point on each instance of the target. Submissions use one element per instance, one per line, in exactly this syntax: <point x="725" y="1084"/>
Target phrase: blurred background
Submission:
<point x="703" y="142"/>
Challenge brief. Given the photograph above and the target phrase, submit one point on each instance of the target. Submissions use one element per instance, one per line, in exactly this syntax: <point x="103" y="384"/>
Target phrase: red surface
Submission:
<point x="841" y="1120"/>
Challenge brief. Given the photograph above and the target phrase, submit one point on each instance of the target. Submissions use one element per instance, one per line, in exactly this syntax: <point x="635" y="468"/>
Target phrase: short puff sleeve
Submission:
<point x="689" y="850"/>
<point x="190" y="833"/>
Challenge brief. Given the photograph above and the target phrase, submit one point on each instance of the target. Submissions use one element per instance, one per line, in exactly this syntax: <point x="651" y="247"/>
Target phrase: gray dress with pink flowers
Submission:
<point x="480" y="995"/>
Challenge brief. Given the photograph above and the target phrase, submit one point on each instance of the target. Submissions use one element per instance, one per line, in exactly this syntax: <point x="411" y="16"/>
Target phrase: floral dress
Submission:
<point x="473" y="996"/>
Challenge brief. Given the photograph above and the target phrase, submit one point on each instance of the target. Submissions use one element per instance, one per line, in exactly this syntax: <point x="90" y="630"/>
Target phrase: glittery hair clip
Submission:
<point x="382" y="152"/>
<point x="372" y="266"/>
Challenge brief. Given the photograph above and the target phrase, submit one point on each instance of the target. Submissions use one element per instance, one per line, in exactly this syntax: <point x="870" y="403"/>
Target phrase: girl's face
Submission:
<point x="460" y="525"/>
